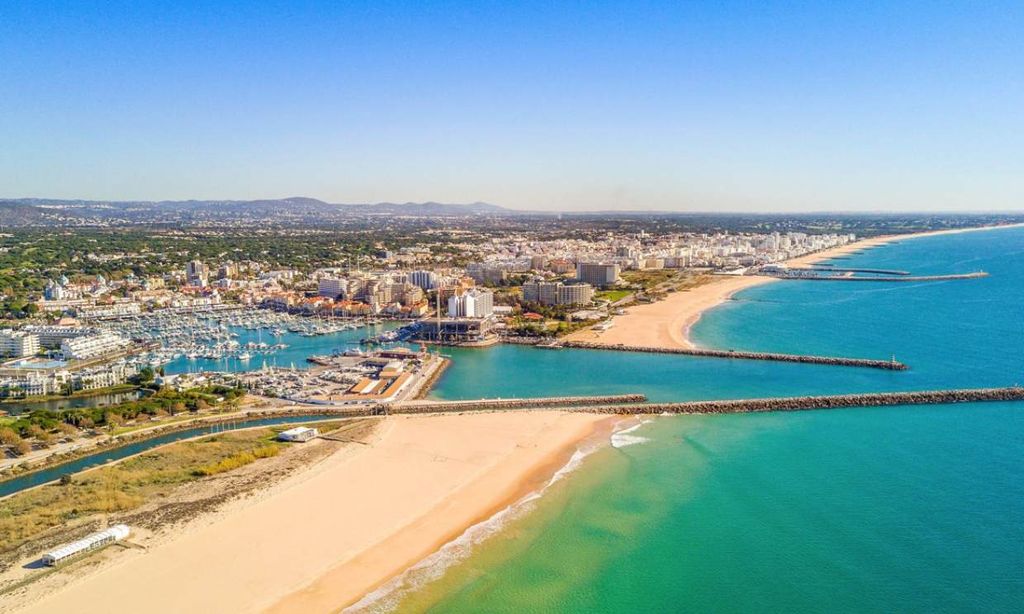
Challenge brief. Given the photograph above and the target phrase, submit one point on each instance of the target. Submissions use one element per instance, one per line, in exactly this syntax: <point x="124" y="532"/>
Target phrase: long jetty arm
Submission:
<point x="891" y="365"/>
<point x="874" y="399"/>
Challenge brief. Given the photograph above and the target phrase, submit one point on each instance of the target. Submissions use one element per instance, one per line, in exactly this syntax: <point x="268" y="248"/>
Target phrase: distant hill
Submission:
<point x="58" y="212"/>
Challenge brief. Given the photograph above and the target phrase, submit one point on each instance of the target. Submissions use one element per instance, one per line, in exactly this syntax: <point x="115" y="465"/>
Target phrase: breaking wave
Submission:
<point x="388" y="597"/>
<point x="623" y="438"/>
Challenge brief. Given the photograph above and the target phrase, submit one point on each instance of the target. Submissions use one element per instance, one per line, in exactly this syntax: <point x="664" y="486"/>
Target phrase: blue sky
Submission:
<point x="746" y="106"/>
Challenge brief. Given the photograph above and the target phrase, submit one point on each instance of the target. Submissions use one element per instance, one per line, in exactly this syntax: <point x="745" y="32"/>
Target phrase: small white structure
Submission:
<point x="87" y="543"/>
<point x="299" y="433"/>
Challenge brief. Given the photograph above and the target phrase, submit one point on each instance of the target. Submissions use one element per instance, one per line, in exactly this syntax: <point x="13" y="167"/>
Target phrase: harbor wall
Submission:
<point x="893" y="279"/>
<point x="891" y="365"/>
<point x="426" y="386"/>
<point x="878" y="399"/>
<point x="413" y="407"/>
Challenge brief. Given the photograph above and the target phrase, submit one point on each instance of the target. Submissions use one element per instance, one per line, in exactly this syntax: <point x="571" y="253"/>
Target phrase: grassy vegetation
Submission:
<point x="237" y="460"/>
<point x="649" y="279"/>
<point x="658" y="282"/>
<point x="127" y="485"/>
<point x="612" y="295"/>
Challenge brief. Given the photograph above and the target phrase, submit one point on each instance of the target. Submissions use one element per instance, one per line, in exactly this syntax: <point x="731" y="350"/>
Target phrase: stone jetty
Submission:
<point x="885" y="279"/>
<point x="873" y="399"/>
<point x="411" y="407"/>
<point x="891" y="365"/>
<point x="835" y="269"/>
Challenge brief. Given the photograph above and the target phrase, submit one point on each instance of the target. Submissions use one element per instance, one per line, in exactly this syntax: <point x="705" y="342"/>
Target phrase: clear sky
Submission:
<point x="690" y="106"/>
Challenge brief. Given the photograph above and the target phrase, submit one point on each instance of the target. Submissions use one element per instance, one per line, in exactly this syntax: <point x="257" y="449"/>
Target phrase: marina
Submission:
<point x="240" y="339"/>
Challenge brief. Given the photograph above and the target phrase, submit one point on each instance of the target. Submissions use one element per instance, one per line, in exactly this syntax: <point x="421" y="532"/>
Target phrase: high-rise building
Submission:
<point x="228" y="270"/>
<point x="197" y="273"/>
<point x="426" y="280"/>
<point x="331" y="287"/>
<point x="473" y="303"/>
<point x="557" y="293"/>
<point x="597" y="273"/>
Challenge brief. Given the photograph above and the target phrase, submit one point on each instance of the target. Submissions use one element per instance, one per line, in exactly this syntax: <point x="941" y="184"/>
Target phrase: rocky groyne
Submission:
<point x="891" y="365"/>
<point x="425" y="387"/>
<point x="885" y="279"/>
<point x="835" y="269"/>
<point x="417" y="407"/>
<point x="875" y="399"/>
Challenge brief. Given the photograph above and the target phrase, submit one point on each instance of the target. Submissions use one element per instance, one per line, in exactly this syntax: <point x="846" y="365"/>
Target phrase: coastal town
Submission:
<point x="608" y="307"/>
<point x="100" y="357"/>
<point x="96" y="333"/>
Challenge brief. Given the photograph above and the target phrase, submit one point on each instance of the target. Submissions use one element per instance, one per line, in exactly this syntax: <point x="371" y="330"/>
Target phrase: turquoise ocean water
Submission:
<point x="907" y="509"/>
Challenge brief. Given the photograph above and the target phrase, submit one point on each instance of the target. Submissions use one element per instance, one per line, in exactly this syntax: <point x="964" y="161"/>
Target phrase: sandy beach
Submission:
<point x="333" y="533"/>
<point x="667" y="323"/>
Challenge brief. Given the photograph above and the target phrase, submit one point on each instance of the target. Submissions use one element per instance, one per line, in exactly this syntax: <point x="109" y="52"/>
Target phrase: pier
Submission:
<point x="890" y="365"/>
<point x="874" y="399"/>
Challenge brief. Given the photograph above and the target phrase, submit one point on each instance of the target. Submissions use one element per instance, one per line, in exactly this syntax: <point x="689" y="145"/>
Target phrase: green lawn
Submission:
<point x="612" y="295"/>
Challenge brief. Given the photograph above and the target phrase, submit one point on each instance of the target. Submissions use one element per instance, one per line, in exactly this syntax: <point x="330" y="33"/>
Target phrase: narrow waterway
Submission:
<point x="51" y="474"/>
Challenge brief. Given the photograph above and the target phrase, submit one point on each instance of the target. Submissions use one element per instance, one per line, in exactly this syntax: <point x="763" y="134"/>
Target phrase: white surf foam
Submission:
<point x="388" y="597"/>
<point x="621" y="439"/>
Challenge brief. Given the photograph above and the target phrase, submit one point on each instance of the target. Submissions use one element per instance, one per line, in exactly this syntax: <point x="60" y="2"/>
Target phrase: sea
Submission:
<point x="895" y="509"/>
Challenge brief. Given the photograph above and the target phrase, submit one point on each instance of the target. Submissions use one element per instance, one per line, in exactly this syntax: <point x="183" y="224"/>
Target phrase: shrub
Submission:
<point x="237" y="460"/>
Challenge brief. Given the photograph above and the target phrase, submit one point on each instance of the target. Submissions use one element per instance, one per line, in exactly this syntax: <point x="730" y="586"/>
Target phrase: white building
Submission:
<point x="474" y="303"/>
<point x="426" y="280"/>
<point x="557" y="293"/>
<point x="92" y="346"/>
<point x="18" y="343"/>
<point x="299" y="434"/>
<point x="87" y="543"/>
<point x="53" y="336"/>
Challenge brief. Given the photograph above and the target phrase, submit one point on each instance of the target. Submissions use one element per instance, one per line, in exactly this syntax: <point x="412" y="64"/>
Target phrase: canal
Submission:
<point x="51" y="474"/>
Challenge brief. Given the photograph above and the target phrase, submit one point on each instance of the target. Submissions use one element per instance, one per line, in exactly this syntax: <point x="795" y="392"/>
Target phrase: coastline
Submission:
<point x="365" y="516"/>
<point x="667" y="323"/>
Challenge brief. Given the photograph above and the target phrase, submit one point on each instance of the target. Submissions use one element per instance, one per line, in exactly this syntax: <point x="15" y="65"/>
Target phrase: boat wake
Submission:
<point x="388" y="597"/>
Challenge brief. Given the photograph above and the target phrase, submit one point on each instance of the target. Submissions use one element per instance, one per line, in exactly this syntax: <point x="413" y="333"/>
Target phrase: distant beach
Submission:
<point x="667" y="323"/>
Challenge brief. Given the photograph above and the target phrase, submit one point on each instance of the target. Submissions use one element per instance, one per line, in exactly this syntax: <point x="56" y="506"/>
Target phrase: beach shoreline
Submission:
<point x="365" y="515"/>
<point x="668" y="323"/>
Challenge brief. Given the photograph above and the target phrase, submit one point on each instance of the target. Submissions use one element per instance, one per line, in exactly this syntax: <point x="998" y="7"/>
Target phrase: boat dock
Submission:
<point x="890" y="365"/>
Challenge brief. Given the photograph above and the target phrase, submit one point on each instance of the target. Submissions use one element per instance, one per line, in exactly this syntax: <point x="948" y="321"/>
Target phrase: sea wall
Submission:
<point x="425" y="387"/>
<point x="416" y="407"/>
<point x="878" y="399"/>
<point x="891" y="365"/>
<point x="914" y="278"/>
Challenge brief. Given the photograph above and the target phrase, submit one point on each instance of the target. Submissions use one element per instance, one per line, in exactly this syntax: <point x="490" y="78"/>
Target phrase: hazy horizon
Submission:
<point x="731" y="107"/>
